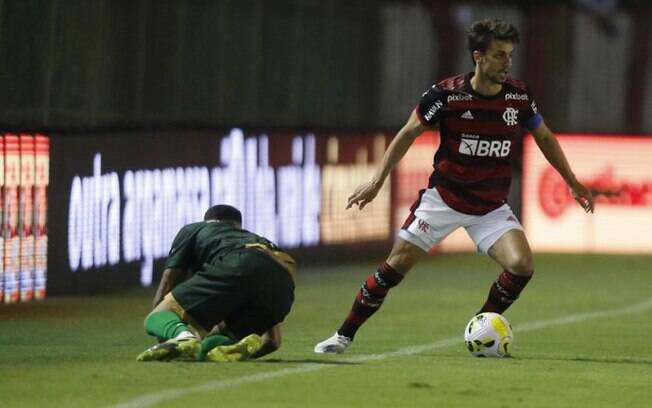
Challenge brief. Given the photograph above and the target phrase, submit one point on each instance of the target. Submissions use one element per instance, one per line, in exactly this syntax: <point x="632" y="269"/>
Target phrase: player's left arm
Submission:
<point x="271" y="341"/>
<point x="551" y="149"/>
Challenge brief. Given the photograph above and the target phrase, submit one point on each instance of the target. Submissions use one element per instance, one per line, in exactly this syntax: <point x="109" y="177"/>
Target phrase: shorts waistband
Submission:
<point x="283" y="259"/>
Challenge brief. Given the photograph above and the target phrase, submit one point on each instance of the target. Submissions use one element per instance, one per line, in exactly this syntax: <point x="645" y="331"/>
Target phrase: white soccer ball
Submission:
<point x="489" y="335"/>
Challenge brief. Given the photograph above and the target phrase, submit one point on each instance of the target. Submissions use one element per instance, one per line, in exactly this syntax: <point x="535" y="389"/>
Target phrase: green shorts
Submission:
<point x="245" y="288"/>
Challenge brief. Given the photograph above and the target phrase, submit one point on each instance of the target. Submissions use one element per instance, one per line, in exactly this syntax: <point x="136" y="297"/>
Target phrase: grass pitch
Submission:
<point x="582" y="339"/>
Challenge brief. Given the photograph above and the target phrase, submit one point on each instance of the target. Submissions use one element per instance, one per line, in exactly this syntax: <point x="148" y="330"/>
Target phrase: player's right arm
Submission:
<point x="179" y="260"/>
<point x="366" y="192"/>
<point x="428" y="112"/>
<point x="171" y="278"/>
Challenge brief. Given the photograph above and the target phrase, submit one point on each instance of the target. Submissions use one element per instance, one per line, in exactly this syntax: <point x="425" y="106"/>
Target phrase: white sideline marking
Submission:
<point x="147" y="400"/>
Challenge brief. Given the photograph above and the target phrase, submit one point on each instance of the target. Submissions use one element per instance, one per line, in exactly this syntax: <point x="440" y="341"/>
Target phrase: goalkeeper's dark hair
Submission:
<point x="482" y="32"/>
<point x="223" y="212"/>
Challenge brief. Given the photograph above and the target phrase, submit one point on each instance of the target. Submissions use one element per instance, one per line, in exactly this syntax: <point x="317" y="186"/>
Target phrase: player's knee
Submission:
<point x="404" y="256"/>
<point x="520" y="265"/>
<point x="167" y="304"/>
<point x="401" y="262"/>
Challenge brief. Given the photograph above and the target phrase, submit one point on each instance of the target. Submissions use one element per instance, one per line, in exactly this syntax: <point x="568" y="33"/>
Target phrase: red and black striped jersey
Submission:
<point x="472" y="167"/>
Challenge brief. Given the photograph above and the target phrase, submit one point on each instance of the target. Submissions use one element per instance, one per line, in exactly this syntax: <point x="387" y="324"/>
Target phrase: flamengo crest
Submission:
<point x="510" y="116"/>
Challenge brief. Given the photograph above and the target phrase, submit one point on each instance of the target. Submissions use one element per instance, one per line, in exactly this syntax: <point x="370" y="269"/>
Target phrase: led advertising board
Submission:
<point x="342" y="226"/>
<point x="619" y="167"/>
<point x="124" y="196"/>
<point x="23" y="243"/>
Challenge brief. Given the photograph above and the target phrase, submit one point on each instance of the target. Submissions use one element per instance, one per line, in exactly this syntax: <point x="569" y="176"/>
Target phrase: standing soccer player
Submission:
<point x="240" y="287"/>
<point x="479" y="115"/>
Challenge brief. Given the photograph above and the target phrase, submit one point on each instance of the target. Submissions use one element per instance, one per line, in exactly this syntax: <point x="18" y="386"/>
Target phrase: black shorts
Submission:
<point x="245" y="288"/>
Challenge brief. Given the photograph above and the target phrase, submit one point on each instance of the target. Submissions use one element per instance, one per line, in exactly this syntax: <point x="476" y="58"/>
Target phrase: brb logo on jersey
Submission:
<point x="471" y="145"/>
<point x="510" y="116"/>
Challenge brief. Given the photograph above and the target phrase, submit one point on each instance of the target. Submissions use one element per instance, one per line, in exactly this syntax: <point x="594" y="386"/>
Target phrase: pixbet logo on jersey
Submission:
<point x="471" y="145"/>
<point x="516" y="97"/>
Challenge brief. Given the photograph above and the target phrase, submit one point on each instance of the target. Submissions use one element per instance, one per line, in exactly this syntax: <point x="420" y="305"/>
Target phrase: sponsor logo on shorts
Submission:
<point x="423" y="226"/>
<point x="484" y="148"/>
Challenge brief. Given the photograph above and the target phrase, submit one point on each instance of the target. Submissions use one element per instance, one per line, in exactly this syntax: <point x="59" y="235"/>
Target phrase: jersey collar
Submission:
<point x="469" y="88"/>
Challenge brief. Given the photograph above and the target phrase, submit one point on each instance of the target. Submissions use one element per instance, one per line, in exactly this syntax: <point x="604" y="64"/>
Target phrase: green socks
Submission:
<point x="210" y="342"/>
<point x="165" y="325"/>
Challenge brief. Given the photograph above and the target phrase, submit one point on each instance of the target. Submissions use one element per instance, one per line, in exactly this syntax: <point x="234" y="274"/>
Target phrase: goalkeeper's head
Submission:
<point x="222" y="212"/>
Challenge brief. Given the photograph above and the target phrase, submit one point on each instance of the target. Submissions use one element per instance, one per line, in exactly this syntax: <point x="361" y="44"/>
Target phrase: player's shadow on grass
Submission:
<point x="599" y="360"/>
<point x="306" y="361"/>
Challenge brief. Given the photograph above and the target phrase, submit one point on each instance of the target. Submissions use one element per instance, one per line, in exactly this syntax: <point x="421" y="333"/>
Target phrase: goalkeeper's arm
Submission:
<point x="171" y="278"/>
<point x="271" y="341"/>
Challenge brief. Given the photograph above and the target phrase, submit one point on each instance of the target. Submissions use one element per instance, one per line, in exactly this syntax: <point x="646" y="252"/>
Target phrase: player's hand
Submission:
<point x="364" y="194"/>
<point x="583" y="196"/>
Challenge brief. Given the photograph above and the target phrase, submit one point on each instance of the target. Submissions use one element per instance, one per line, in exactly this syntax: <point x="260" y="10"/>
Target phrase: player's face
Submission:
<point x="496" y="62"/>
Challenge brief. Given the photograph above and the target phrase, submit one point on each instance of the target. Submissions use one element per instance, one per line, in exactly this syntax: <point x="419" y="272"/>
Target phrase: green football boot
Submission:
<point x="240" y="351"/>
<point x="186" y="349"/>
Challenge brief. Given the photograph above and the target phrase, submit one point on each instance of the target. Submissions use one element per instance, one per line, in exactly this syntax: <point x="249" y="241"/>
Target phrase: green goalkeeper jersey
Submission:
<point x="236" y="277"/>
<point x="207" y="242"/>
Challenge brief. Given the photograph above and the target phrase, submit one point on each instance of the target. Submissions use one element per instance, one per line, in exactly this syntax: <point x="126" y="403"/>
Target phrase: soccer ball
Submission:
<point x="489" y="335"/>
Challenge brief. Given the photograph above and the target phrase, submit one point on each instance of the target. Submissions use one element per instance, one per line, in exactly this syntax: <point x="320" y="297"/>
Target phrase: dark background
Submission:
<point x="72" y="65"/>
<point x="155" y="83"/>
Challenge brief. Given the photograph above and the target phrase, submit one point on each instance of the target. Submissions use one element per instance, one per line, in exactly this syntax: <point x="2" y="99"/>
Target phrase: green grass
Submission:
<point x="80" y="351"/>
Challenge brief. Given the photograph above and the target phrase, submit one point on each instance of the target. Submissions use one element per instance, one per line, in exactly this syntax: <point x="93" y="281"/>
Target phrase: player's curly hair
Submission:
<point x="223" y="212"/>
<point x="482" y="32"/>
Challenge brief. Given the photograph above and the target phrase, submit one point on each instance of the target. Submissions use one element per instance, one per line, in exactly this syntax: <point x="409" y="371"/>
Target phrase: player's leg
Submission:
<point x="513" y="253"/>
<point x="246" y="334"/>
<point x="429" y="222"/>
<point x="219" y="336"/>
<point x="210" y="296"/>
<point x="500" y="235"/>
<point x="166" y="320"/>
<point x="370" y="297"/>
<point x="203" y="301"/>
<point x="166" y="323"/>
<point x="269" y="292"/>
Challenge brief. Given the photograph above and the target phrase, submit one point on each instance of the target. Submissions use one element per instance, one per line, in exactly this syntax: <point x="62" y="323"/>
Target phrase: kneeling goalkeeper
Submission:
<point x="230" y="308"/>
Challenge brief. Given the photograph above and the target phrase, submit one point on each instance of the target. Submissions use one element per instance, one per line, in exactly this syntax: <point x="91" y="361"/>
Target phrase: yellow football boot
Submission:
<point x="242" y="350"/>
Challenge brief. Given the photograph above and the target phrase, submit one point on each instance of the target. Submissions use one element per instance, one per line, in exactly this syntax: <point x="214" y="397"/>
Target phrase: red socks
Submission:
<point x="504" y="291"/>
<point x="369" y="298"/>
